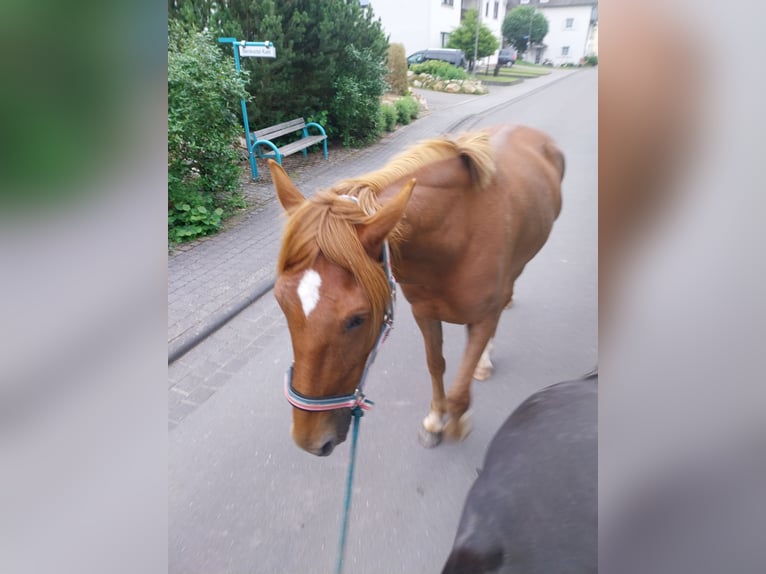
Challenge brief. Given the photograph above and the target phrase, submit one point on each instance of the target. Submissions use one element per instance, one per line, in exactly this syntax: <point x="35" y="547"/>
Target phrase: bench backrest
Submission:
<point x="278" y="130"/>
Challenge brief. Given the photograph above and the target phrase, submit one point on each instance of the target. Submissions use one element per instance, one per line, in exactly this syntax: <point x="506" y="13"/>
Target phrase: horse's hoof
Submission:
<point x="482" y="373"/>
<point x="429" y="439"/>
<point x="458" y="430"/>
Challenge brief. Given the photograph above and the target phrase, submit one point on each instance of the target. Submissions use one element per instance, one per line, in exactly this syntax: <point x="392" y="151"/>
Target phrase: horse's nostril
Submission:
<point x="327" y="448"/>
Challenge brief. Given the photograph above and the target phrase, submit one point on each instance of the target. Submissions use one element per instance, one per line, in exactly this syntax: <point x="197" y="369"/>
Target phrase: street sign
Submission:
<point x="249" y="50"/>
<point x="257" y="52"/>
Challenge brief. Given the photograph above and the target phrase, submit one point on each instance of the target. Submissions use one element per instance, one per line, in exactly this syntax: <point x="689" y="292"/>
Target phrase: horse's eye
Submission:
<point x="354" y="322"/>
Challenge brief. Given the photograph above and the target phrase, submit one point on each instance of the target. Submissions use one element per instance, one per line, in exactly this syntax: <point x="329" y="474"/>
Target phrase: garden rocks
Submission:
<point x="429" y="82"/>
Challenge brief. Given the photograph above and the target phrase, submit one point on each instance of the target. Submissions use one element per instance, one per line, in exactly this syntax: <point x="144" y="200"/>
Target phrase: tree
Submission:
<point x="464" y="38"/>
<point x="518" y="23"/>
<point x="330" y="55"/>
<point x="397" y="70"/>
<point x="203" y="124"/>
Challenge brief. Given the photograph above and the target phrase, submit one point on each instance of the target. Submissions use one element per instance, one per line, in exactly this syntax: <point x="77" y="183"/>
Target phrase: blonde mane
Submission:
<point x="473" y="147"/>
<point x="327" y="223"/>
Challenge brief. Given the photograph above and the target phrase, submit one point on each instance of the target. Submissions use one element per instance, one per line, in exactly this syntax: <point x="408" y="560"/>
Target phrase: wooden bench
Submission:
<point x="263" y="139"/>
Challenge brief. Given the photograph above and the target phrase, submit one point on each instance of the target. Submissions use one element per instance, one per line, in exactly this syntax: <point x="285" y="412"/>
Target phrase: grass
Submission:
<point x="524" y="72"/>
<point x="501" y="79"/>
<point x="515" y="70"/>
<point x="509" y="75"/>
<point x="529" y="64"/>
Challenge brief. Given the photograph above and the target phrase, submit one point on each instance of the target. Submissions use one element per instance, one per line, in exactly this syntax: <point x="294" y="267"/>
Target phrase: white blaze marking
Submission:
<point x="308" y="291"/>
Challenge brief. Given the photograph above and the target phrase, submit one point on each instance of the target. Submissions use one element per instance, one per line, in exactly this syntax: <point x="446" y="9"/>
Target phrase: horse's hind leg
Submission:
<point x="433" y="424"/>
<point x="459" y="396"/>
<point x="483" y="369"/>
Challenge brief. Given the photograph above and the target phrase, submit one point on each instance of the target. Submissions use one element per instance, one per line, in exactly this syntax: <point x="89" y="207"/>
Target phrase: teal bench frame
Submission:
<point x="263" y="139"/>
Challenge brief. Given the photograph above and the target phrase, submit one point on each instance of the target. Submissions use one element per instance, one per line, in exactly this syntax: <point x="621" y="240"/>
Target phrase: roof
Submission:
<point x="552" y="3"/>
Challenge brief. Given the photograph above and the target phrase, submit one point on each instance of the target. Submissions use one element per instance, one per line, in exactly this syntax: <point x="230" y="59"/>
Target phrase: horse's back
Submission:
<point x="530" y="167"/>
<point x="533" y="508"/>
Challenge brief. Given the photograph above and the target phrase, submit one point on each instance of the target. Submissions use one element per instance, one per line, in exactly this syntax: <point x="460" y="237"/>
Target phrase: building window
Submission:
<point x="497" y="9"/>
<point x="486" y="9"/>
<point x="569" y="24"/>
<point x="565" y="51"/>
<point x="448" y="2"/>
<point x="445" y="39"/>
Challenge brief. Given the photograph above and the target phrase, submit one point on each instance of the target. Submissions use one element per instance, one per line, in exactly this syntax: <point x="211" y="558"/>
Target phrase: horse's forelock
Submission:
<point x="327" y="224"/>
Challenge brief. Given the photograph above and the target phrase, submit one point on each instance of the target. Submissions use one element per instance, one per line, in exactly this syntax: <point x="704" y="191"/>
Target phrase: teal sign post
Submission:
<point x="244" y="49"/>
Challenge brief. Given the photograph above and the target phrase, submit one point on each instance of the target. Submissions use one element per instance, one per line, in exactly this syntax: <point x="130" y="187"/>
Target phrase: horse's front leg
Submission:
<point x="433" y="425"/>
<point x="459" y="396"/>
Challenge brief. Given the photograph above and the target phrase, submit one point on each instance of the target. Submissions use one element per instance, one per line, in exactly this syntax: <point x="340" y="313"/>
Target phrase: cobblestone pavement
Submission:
<point x="207" y="278"/>
<point x="193" y="378"/>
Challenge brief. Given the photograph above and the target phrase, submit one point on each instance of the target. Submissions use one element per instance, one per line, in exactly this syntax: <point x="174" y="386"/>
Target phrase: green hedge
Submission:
<point x="203" y="126"/>
<point x="406" y="110"/>
<point x="388" y="117"/>
<point x="331" y="59"/>
<point x="440" y="69"/>
<point x="356" y="105"/>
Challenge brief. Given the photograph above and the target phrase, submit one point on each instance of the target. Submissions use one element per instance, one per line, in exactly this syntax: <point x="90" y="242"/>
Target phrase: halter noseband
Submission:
<point x="357" y="398"/>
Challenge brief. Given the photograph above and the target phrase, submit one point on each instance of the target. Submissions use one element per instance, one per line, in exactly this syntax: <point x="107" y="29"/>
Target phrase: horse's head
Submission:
<point x="333" y="291"/>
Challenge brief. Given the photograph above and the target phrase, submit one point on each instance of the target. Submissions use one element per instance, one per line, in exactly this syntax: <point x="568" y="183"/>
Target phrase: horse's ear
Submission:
<point x="373" y="233"/>
<point x="288" y="194"/>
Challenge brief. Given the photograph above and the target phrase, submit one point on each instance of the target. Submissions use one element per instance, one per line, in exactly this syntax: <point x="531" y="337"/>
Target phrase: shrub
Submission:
<point x="440" y="69"/>
<point x="406" y="110"/>
<point x="203" y="126"/>
<point x="191" y="213"/>
<point x="397" y="70"/>
<point x="388" y="115"/>
<point x="355" y="107"/>
<point x="591" y="60"/>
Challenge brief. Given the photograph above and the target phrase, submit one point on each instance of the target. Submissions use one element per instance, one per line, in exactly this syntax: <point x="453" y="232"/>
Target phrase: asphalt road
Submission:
<point x="244" y="499"/>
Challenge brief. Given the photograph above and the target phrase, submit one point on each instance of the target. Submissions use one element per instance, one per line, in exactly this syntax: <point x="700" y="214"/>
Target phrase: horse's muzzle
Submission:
<point x="320" y="432"/>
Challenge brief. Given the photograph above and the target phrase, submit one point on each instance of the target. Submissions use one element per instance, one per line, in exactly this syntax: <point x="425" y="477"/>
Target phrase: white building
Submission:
<point x="572" y="30"/>
<point x="421" y="24"/>
<point x="418" y="24"/>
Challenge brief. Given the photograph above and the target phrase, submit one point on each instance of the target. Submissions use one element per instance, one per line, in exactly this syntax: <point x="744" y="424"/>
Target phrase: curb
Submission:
<point x="183" y="344"/>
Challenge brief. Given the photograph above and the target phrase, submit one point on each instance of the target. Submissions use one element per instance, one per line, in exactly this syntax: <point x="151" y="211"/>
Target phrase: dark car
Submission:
<point x="454" y="57"/>
<point x="506" y="57"/>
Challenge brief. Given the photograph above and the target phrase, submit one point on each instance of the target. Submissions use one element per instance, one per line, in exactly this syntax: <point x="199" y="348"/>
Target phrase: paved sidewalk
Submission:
<point x="209" y="278"/>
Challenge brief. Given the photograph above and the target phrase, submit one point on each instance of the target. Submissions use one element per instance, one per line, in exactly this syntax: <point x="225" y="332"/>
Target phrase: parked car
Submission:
<point x="454" y="57"/>
<point x="506" y="57"/>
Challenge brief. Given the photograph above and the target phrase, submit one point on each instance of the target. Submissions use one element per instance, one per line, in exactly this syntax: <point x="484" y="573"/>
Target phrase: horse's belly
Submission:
<point x="452" y="304"/>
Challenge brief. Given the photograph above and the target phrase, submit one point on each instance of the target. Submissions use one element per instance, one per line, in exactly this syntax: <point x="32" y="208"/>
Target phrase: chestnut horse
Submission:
<point x="463" y="217"/>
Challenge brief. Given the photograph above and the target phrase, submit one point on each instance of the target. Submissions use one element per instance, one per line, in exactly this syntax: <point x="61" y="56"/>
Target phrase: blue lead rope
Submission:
<point x="357" y="413"/>
<point x="356" y="401"/>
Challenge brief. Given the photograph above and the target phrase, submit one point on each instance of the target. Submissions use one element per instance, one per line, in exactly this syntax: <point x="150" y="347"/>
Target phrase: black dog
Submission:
<point x="533" y="508"/>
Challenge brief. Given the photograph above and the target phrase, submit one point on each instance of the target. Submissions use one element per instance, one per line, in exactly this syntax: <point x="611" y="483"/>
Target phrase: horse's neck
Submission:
<point x="426" y="244"/>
